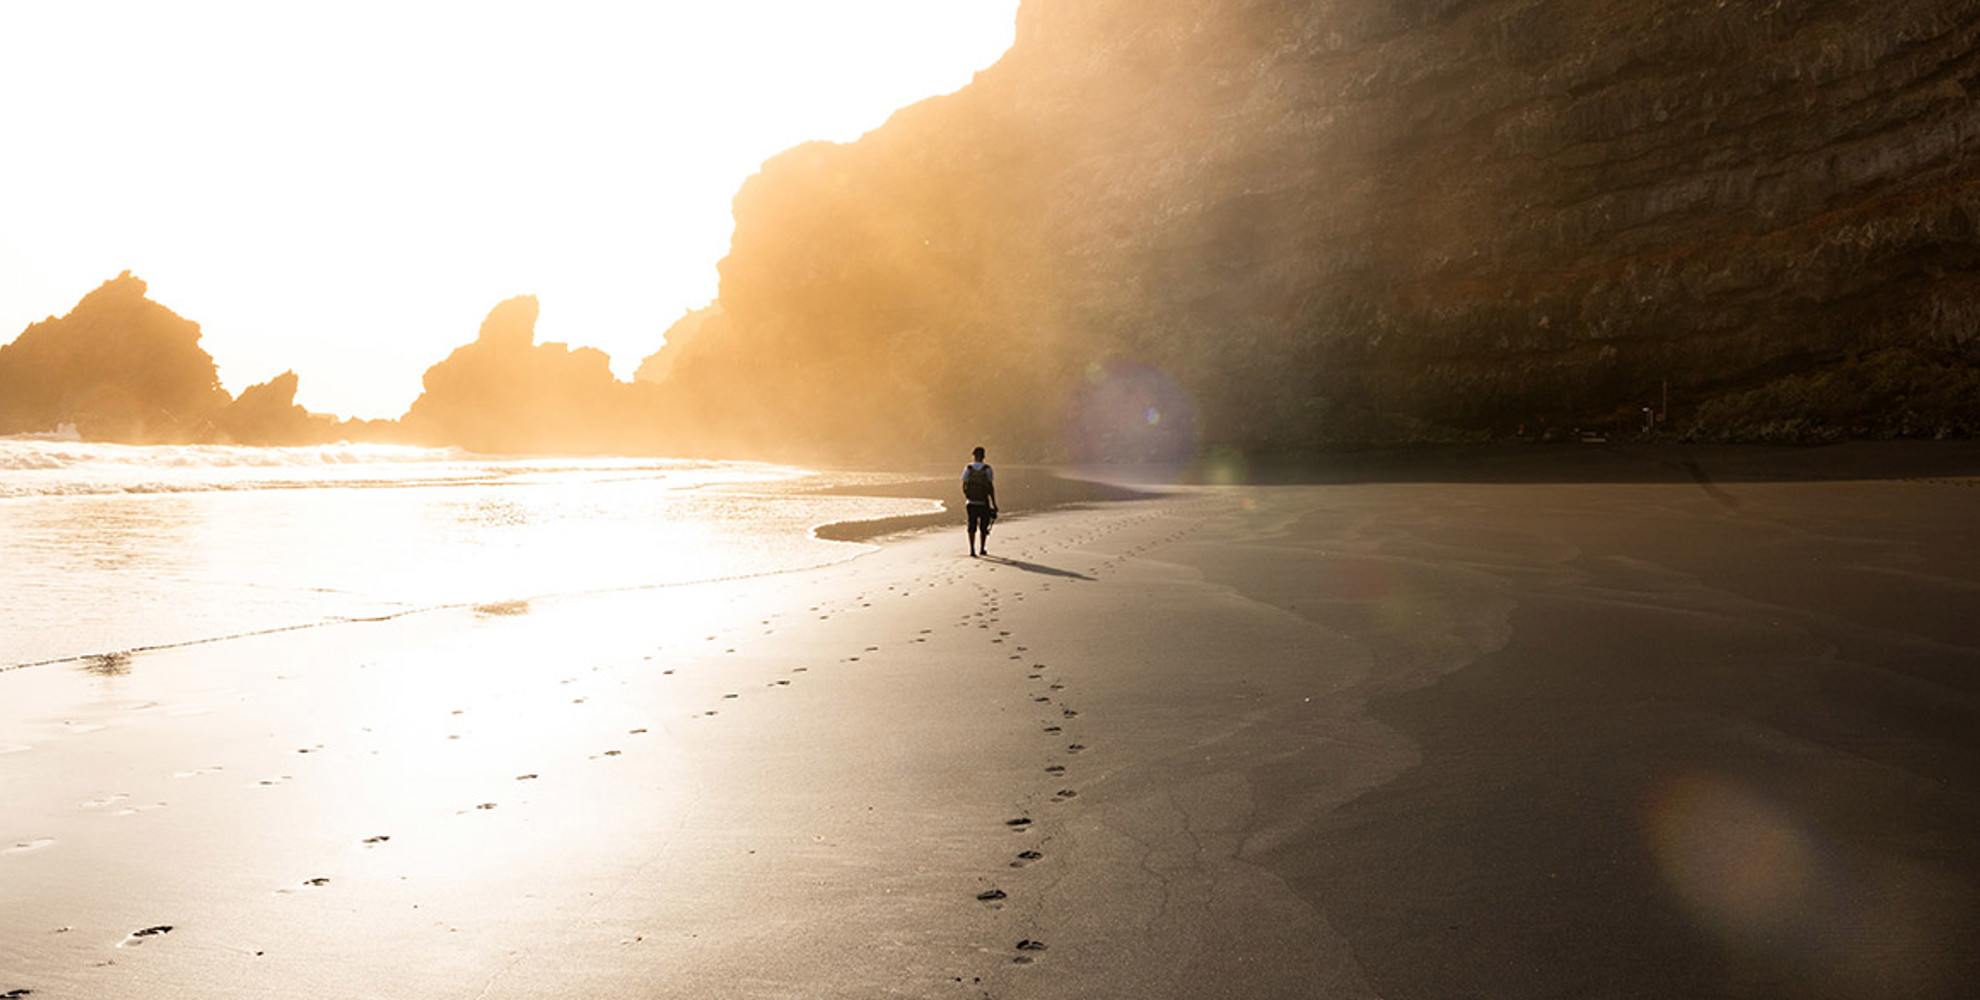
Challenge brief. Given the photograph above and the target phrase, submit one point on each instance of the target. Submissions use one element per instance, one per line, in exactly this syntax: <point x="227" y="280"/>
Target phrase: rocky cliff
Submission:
<point x="1158" y="226"/>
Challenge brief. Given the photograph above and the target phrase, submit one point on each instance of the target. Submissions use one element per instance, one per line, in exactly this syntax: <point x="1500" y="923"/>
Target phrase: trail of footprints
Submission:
<point x="1045" y="691"/>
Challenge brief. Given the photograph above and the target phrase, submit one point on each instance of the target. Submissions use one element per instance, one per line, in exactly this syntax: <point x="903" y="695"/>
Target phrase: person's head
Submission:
<point x="978" y="453"/>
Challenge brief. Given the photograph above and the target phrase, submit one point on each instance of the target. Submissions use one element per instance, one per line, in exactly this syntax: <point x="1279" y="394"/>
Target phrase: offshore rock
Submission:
<point x="506" y="394"/>
<point x="119" y="367"/>
<point x="267" y="414"/>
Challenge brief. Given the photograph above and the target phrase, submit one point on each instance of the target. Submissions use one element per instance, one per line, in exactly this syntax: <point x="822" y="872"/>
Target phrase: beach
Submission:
<point x="1695" y="731"/>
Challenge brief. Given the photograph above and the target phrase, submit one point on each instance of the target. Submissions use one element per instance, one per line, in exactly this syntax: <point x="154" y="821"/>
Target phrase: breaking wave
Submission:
<point x="56" y="465"/>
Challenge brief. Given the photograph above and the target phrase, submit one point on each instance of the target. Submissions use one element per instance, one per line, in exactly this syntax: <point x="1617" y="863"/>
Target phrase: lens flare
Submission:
<point x="1130" y="414"/>
<point x="1741" y="865"/>
<point x="1839" y="922"/>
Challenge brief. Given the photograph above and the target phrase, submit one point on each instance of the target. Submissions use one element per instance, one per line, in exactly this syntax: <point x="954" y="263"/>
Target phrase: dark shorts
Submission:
<point x="979" y="514"/>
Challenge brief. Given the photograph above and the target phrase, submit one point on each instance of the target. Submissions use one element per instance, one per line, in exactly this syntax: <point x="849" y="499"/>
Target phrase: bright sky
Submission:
<point x="347" y="188"/>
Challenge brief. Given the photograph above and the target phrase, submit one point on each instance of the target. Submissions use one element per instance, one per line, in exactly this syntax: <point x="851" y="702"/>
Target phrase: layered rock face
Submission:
<point x="1161" y="225"/>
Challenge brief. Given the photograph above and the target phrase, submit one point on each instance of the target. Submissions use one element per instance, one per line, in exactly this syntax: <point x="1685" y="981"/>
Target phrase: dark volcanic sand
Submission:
<point x="1729" y="745"/>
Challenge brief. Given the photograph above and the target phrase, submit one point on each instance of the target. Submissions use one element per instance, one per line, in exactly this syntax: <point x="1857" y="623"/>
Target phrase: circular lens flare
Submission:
<point x="1130" y="414"/>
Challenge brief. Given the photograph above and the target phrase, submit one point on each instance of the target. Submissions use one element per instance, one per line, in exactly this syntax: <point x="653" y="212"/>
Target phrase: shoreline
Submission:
<point x="1609" y="462"/>
<point x="1029" y="490"/>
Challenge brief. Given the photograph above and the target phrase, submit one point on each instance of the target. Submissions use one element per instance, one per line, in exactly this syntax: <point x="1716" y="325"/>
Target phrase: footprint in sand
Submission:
<point x="1056" y="769"/>
<point x="1026" y="857"/>
<point x="1052" y="729"/>
<point x="372" y="841"/>
<point x="1019" y="823"/>
<point x="990" y="895"/>
<point x="1064" y="794"/>
<point x="1075" y="747"/>
<point x="28" y="845"/>
<point x="1070" y="713"/>
<point x="7" y="748"/>
<point x="525" y="777"/>
<point x="139" y="937"/>
<point x="316" y="882"/>
<point x="1028" y="945"/>
<point x="104" y="801"/>
<point x="1041" y="698"/>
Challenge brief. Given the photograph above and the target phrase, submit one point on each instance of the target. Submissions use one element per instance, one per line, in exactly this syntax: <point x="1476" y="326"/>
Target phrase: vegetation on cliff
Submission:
<point x="1365" y="222"/>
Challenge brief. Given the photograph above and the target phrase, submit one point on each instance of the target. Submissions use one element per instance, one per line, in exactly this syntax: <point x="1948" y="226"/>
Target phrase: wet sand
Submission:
<point x="1714" y="736"/>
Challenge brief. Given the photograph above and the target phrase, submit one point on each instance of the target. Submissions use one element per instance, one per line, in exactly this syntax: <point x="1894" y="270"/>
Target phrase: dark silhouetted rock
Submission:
<point x="267" y="414"/>
<point x="119" y="366"/>
<point x="506" y="394"/>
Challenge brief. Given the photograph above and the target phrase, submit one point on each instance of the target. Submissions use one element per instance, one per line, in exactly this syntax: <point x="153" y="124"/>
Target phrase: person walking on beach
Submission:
<point x="979" y="485"/>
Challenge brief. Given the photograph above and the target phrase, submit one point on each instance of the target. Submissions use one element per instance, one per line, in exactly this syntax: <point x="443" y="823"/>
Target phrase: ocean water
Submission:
<point x="112" y="548"/>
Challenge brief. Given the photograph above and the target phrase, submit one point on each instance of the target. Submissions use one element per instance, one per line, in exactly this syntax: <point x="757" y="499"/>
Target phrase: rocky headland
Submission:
<point x="1295" y="225"/>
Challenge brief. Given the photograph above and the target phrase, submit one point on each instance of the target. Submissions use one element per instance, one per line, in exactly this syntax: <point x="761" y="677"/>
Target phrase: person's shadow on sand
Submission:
<point x="1036" y="568"/>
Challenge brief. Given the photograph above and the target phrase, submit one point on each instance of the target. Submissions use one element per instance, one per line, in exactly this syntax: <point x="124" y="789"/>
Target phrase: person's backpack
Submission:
<point x="976" y="484"/>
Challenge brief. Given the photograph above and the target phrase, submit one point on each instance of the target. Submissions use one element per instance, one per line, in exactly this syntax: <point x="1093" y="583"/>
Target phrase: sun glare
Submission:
<point x="346" y="190"/>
